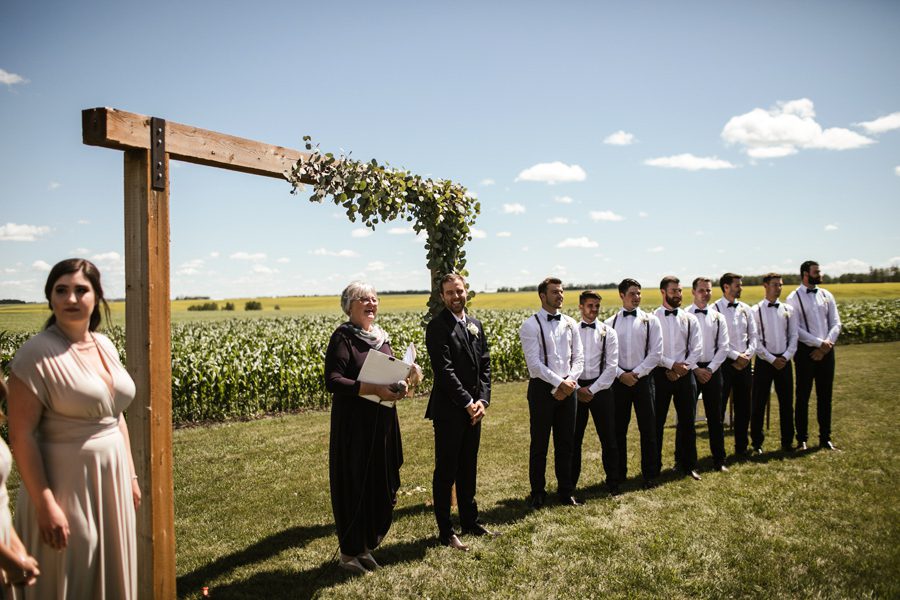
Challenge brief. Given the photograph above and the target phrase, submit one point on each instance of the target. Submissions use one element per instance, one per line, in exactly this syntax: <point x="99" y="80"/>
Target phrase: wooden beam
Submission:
<point x="120" y="130"/>
<point x="149" y="359"/>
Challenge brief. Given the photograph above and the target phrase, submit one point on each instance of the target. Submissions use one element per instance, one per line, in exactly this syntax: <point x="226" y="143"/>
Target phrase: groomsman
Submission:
<point x="601" y="357"/>
<point x="674" y="376"/>
<point x="640" y="349"/>
<point x="708" y="371"/>
<point x="819" y="326"/>
<point x="553" y="353"/>
<point x="460" y="359"/>
<point x="736" y="373"/>
<point x="777" y="327"/>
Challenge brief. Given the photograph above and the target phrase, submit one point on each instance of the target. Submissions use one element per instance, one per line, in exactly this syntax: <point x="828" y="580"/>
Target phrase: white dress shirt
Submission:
<point x="741" y="327"/>
<point x="632" y="333"/>
<point x="777" y="327"/>
<point x="592" y="340"/>
<point x="680" y="337"/>
<point x="565" y="356"/>
<point x="817" y="313"/>
<point x="714" y="347"/>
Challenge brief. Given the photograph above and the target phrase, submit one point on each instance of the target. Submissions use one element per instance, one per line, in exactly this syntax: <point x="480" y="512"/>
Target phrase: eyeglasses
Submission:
<point x="368" y="300"/>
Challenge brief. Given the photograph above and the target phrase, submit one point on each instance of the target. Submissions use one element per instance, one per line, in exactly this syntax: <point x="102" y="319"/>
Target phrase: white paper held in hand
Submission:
<point x="382" y="369"/>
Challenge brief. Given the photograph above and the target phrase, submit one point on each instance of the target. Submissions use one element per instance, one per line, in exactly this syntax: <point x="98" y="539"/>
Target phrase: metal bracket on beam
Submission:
<point x="157" y="153"/>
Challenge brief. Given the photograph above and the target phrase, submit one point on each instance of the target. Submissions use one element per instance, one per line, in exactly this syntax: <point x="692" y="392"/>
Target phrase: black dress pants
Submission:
<point x="602" y="412"/>
<point x="548" y="415"/>
<point x="684" y="392"/>
<point x="764" y="375"/>
<point x="712" y="406"/>
<point x="822" y="373"/>
<point x="456" y="444"/>
<point x="640" y="396"/>
<point x="741" y="384"/>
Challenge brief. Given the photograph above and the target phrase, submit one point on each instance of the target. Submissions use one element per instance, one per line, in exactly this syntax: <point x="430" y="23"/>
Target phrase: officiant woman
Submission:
<point x="365" y="452"/>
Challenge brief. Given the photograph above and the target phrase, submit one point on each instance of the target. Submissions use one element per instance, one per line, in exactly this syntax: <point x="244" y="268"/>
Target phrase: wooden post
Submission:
<point x="149" y="359"/>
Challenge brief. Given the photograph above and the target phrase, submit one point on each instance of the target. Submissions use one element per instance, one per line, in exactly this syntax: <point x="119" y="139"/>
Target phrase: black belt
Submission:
<point x="703" y="365"/>
<point x="587" y="382"/>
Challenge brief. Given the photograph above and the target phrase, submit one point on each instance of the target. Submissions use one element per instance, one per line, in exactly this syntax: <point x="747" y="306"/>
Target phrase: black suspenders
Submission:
<point x="646" y="338"/>
<point x="543" y="341"/>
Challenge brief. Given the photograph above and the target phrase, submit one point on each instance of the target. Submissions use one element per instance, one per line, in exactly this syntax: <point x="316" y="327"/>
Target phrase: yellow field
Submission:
<point x="29" y="317"/>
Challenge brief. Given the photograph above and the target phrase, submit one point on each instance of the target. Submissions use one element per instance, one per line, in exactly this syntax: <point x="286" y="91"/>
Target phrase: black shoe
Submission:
<point x="649" y="484"/>
<point x="452" y="541"/>
<point x="721" y="468"/>
<point x="570" y="501"/>
<point x="757" y="451"/>
<point x="787" y="448"/>
<point x="802" y="446"/>
<point x="537" y="500"/>
<point x="614" y="489"/>
<point x="478" y="530"/>
<point x="828" y="446"/>
<point x="693" y="474"/>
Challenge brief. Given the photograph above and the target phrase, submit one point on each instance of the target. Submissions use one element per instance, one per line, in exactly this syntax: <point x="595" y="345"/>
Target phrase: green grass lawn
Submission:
<point x="30" y="317"/>
<point x="253" y="516"/>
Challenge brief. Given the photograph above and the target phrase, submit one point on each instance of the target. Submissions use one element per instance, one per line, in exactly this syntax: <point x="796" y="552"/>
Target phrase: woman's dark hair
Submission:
<point x="90" y="270"/>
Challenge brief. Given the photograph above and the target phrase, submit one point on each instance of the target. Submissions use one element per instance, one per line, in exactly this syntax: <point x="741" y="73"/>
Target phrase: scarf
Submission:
<point x="376" y="337"/>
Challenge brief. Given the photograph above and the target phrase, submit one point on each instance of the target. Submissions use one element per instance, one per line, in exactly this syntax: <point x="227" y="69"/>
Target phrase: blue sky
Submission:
<point x="604" y="139"/>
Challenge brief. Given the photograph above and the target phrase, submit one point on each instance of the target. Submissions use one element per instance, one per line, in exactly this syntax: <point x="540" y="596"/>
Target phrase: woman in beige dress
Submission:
<point x="67" y="391"/>
<point x="18" y="567"/>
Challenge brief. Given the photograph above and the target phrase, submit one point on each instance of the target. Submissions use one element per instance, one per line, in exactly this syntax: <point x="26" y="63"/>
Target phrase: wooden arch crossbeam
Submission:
<point x="148" y="144"/>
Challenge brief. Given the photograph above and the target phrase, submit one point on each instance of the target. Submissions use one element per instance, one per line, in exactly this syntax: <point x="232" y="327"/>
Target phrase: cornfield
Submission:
<point x="246" y="367"/>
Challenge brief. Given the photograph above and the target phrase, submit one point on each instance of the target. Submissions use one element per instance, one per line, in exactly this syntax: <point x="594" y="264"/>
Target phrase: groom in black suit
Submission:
<point x="460" y="359"/>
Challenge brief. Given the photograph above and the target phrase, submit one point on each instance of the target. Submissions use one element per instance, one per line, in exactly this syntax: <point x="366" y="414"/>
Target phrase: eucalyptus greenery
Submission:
<point x="375" y="193"/>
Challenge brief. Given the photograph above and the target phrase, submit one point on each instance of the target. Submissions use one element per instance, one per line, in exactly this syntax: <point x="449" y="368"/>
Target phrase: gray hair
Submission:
<point x="354" y="291"/>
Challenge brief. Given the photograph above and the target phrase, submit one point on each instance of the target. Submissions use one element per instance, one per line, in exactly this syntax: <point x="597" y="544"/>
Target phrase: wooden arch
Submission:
<point x="148" y="143"/>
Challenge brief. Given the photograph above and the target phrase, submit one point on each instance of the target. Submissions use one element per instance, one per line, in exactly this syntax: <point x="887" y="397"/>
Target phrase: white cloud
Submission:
<point x="40" y="265"/>
<point x="80" y="252"/>
<point x="375" y="265"/>
<point x="214" y="254"/>
<point x="785" y="129"/>
<point x="400" y="230"/>
<point x="851" y="265"/>
<point x="579" y="242"/>
<point x="605" y="215"/>
<point x="339" y="253"/>
<point x="487" y="182"/>
<point x="11" y="78"/>
<point x="264" y="270"/>
<point x="504" y="234"/>
<point x="553" y="172"/>
<point x="12" y="232"/>
<point x="196" y="263"/>
<point x="882" y="124"/>
<point x="477" y="234"/>
<point x="83" y="222"/>
<point x="558" y="221"/>
<point x="513" y="209"/>
<point x="655" y="249"/>
<point x="54" y="185"/>
<point x="894" y="261"/>
<point x="831" y="227"/>
<point x="619" y="138"/>
<point x="897" y="171"/>
<point x="361" y="232"/>
<point x="563" y="199"/>
<point x="689" y="162"/>
<point x="107" y="257"/>
<point x="283" y="260"/>
<point x="643" y="214"/>
<point x="472" y="195"/>
<point x="248" y="256"/>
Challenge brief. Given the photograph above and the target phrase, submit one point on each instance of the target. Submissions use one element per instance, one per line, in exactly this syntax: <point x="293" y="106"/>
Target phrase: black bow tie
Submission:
<point x="701" y="311"/>
<point x="812" y="290"/>
<point x="732" y="305"/>
<point x="591" y="325"/>
<point x="555" y="317"/>
<point x="771" y="305"/>
<point x="629" y="313"/>
<point x="669" y="313"/>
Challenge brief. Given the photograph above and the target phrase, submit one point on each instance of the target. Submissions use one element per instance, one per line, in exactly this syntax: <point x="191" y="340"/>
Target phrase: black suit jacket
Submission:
<point x="462" y="368"/>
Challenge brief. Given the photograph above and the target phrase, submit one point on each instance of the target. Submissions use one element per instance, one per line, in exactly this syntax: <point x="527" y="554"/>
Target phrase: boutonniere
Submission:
<point x="786" y="314"/>
<point x="472" y="329"/>
<point x="682" y="316"/>
<point x="602" y="332"/>
<point x="643" y="317"/>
